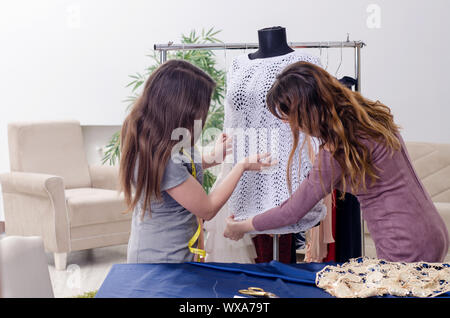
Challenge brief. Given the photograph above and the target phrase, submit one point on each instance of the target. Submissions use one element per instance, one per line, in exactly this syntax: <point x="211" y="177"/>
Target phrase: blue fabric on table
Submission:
<point x="212" y="280"/>
<point x="288" y="272"/>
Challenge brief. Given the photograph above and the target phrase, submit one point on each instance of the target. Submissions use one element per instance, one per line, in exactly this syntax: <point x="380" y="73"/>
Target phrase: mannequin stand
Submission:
<point x="276" y="247"/>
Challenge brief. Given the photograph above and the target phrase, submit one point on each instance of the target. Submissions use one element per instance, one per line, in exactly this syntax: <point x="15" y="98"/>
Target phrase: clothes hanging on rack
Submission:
<point x="300" y="240"/>
<point x="248" y="82"/>
<point x="320" y="236"/>
<point x="331" y="255"/>
<point x="348" y="228"/>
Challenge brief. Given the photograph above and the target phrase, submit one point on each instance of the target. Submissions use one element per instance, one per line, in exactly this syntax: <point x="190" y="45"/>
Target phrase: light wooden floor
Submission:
<point x="86" y="270"/>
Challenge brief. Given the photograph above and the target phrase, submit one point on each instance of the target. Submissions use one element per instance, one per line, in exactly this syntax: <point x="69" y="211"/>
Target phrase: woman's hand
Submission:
<point x="236" y="230"/>
<point x="223" y="146"/>
<point x="258" y="162"/>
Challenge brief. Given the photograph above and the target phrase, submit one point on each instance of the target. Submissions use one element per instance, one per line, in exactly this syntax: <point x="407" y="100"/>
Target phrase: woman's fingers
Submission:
<point x="258" y="158"/>
<point x="225" y="137"/>
<point x="266" y="161"/>
<point x="230" y="229"/>
<point x="264" y="155"/>
<point x="228" y="144"/>
<point x="259" y="161"/>
<point x="270" y="163"/>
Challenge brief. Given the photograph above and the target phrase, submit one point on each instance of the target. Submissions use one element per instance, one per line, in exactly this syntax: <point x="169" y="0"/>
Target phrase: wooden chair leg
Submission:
<point x="60" y="261"/>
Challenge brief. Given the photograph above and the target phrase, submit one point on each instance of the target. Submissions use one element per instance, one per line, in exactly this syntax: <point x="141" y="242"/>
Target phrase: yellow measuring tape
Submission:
<point x="197" y="251"/>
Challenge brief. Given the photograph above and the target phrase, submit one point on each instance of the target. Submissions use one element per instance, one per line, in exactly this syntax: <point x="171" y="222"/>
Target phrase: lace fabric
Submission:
<point x="366" y="277"/>
<point x="255" y="129"/>
<point x="221" y="249"/>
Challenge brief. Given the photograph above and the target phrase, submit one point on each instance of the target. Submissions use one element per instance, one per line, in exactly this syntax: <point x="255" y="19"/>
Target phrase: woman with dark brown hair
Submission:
<point x="361" y="152"/>
<point x="161" y="181"/>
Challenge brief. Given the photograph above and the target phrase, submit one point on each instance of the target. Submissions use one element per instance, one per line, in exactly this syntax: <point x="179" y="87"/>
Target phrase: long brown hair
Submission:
<point x="315" y="102"/>
<point x="175" y="95"/>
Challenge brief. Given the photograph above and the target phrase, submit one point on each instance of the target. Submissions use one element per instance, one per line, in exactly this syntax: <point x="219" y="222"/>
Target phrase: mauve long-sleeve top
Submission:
<point x="400" y="215"/>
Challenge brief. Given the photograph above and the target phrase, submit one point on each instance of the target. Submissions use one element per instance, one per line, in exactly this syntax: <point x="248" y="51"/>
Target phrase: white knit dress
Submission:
<point x="254" y="129"/>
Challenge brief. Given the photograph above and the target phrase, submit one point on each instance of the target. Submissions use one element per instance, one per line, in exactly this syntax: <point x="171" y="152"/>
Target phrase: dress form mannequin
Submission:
<point x="248" y="80"/>
<point x="272" y="42"/>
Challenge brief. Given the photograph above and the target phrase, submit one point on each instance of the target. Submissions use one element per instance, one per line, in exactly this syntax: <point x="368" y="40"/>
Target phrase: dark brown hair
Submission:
<point x="175" y="95"/>
<point x="315" y="102"/>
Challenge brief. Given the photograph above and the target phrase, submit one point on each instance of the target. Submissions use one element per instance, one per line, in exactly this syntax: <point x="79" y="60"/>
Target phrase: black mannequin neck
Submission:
<point x="272" y="42"/>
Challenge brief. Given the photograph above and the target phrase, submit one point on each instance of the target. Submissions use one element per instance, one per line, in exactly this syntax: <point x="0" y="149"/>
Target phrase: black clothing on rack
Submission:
<point x="348" y="228"/>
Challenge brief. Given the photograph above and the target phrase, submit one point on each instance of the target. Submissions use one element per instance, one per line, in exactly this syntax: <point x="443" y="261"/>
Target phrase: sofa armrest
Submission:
<point x="35" y="204"/>
<point x="31" y="183"/>
<point x="104" y="177"/>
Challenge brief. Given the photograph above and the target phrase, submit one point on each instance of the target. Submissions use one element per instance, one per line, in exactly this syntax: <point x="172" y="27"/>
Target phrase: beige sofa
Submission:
<point x="52" y="192"/>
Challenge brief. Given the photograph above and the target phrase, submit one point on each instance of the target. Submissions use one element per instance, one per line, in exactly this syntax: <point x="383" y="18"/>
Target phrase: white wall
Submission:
<point x="70" y="59"/>
<point x="95" y="138"/>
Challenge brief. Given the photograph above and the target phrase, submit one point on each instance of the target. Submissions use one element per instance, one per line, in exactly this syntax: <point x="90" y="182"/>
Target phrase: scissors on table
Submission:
<point x="258" y="292"/>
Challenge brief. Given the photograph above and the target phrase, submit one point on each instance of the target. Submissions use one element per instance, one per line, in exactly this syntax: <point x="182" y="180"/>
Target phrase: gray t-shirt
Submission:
<point x="163" y="237"/>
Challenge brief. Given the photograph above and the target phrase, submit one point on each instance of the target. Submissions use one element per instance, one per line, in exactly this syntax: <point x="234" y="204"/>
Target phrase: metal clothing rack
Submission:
<point x="356" y="45"/>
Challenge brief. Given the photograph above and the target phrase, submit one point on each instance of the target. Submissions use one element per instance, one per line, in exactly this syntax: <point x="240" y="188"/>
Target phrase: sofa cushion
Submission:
<point x="444" y="210"/>
<point x="95" y="206"/>
<point x="432" y="164"/>
<point x="50" y="147"/>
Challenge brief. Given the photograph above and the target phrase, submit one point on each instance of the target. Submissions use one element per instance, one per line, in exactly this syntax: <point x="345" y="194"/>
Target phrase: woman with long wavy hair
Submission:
<point x="161" y="181"/>
<point x="361" y="152"/>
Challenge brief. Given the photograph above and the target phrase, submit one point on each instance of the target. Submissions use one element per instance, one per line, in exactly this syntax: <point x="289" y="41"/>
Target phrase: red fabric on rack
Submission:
<point x="264" y="248"/>
<point x="331" y="256"/>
